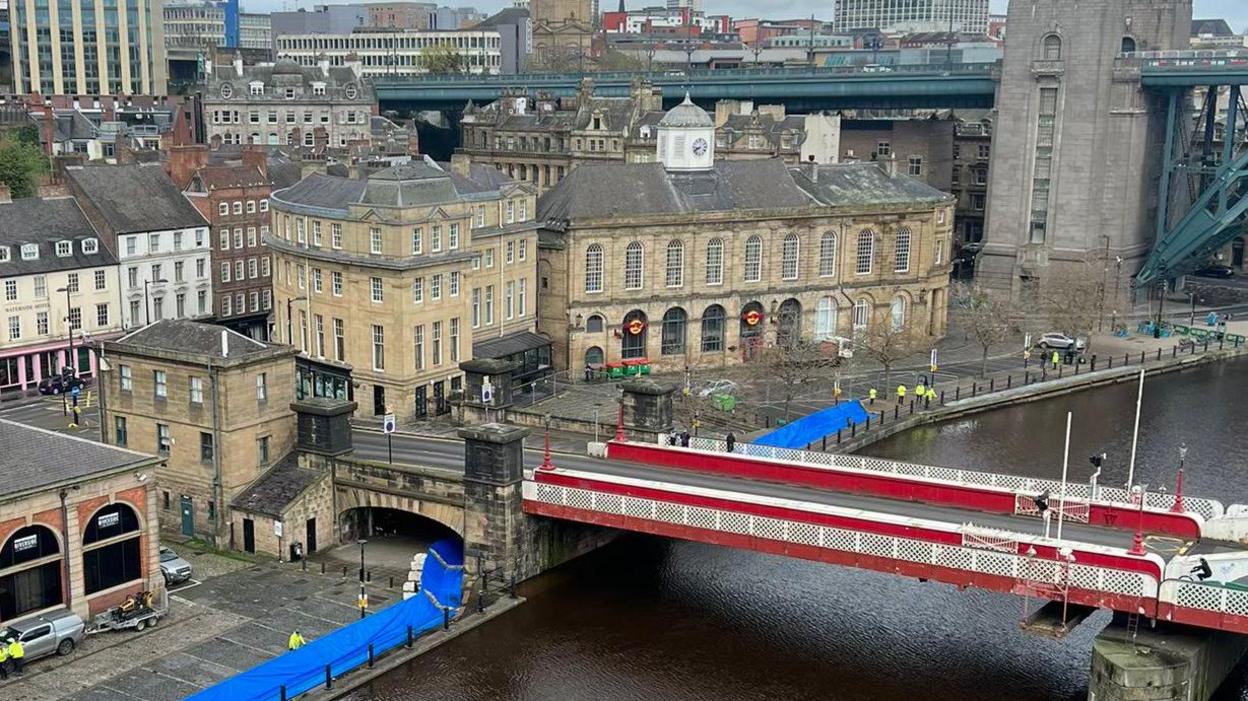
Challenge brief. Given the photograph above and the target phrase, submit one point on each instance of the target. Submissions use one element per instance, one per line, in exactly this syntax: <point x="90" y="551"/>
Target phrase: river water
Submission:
<point x="648" y="618"/>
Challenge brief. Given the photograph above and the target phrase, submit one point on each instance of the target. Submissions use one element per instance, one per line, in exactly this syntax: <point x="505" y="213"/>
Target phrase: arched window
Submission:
<point x="110" y="544"/>
<point x="897" y="313"/>
<point x="675" y="264"/>
<point x="1052" y="48"/>
<point x="827" y="254"/>
<point x="713" y="329"/>
<point x="862" y="313"/>
<point x="633" y="345"/>
<point x="1128" y="45"/>
<point x="594" y="324"/>
<point x="674" y="323"/>
<point x="593" y="268"/>
<point x="715" y="261"/>
<point x="901" y="254"/>
<point x="825" y="319"/>
<point x="866" y="251"/>
<point x="594" y="356"/>
<point x="633" y="261"/>
<point x="32" y="558"/>
<point x="753" y="259"/>
<point x="789" y="323"/>
<point x="789" y="257"/>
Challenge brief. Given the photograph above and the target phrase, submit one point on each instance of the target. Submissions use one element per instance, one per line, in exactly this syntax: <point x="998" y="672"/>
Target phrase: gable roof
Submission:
<point x="273" y="491"/>
<point x="857" y="184"/>
<point x="184" y="336"/>
<point x="31" y="458"/>
<point x="134" y="198"/>
<point x="44" y="222"/>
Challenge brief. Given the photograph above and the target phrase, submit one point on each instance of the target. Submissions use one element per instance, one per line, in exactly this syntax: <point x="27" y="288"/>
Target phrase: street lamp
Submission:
<point x="1191" y="297"/>
<point x="1137" y="546"/>
<point x="1178" y="486"/>
<point x="1100" y="312"/>
<point x="69" y="330"/>
<point x="363" y="602"/>
<point x="290" y="336"/>
<point x="147" y="301"/>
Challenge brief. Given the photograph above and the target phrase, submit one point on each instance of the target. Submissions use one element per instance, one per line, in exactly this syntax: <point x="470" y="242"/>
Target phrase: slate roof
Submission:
<point x="184" y="336"/>
<point x="44" y="222"/>
<point x="222" y="177"/>
<point x="504" y="346"/>
<point x="609" y="189"/>
<point x="406" y="185"/>
<point x="135" y="198"/>
<point x="273" y="491"/>
<point x="1216" y="27"/>
<point x="31" y="458"/>
<point x="686" y="115"/>
<point x="506" y="16"/>
<point x="854" y="184"/>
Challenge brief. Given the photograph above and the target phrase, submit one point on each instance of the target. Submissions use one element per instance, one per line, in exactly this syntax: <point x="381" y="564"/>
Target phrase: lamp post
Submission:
<point x="363" y="602"/>
<point x="147" y="301"/>
<point x="1191" y="297"/>
<point x="290" y="334"/>
<point x="1100" y="311"/>
<point x="1140" y="491"/>
<point x="69" y="330"/>
<point x="1178" y="486"/>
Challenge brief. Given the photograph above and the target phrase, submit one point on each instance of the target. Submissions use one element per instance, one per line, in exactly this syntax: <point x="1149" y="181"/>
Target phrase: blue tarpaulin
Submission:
<point x="346" y="648"/>
<point x="813" y="427"/>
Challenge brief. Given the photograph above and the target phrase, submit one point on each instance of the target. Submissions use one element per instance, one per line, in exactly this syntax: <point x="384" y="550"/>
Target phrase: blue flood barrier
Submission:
<point x="813" y="427"/>
<point x="347" y="648"/>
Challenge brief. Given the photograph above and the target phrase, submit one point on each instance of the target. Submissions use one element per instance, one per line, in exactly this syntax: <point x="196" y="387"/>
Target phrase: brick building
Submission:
<point x="79" y="525"/>
<point x="214" y="404"/>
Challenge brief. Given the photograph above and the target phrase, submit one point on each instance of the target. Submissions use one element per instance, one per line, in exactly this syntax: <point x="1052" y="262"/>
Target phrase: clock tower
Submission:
<point x="687" y="138"/>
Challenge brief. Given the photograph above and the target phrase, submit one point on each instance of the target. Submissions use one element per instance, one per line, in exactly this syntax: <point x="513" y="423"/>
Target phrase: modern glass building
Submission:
<point x="88" y="47"/>
<point x="963" y="16"/>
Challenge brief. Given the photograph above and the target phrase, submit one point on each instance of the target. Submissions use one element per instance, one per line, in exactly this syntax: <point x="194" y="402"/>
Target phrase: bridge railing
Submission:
<point x="1208" y="508"/>
<point x="1191" y="600"/>
<point x="1232" y="59"/>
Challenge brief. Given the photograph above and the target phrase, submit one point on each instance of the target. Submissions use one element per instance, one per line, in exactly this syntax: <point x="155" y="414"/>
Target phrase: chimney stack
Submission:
<point x="257" y="157"/>
<point x="238" y="65"/>
<point x="225" y="343"/>
<point x="461" y="164"/>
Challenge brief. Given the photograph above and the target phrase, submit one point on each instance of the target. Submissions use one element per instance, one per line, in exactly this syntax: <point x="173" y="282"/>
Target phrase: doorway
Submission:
<point x="309" y="540"/>
<point x="1237" y="253"/>
<point x="379" y="400"/>
<point x="439" y="398"/>
<point x="188" y="516"/>
<point x="249" y="535"/>
<point x="422" y="401"/>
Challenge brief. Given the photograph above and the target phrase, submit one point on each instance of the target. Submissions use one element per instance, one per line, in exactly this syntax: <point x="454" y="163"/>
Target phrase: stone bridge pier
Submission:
<point x="1169" y="662"/>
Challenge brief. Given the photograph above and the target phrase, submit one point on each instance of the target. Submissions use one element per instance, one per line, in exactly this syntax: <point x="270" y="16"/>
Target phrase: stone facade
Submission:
<point x="435" y="271"/>
<point x="220" y="421"/>
<point x="972" y="149"/>
<point x="1078" y="139"/>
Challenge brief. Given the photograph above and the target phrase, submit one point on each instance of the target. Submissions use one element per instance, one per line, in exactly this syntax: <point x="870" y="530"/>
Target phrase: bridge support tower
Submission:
<point x="1168" y="663"/>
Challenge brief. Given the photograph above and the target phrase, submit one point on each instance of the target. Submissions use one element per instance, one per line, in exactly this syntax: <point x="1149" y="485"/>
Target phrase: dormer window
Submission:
<point x="290" y="93"/>
<point x="90" y="246"/>
<point x="64" y="249"/>
<point x="257" y="88"/>
<point x="318" y="89"/>
<point x="30" y="251"/>
<point x="4" y="254"/>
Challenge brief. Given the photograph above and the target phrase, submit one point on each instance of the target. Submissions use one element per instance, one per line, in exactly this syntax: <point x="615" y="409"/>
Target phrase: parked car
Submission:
<point x="58" y="384"/>
<point x="55" y="632"/>
<point x="173" y="567"/>
<point x="1215" y="271"/>
<point x="719" y="387"/>
<point x="1060" y="341"/>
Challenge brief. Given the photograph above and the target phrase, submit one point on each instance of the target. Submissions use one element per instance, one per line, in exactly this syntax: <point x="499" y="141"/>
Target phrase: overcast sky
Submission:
<point x="1234" y="11"/>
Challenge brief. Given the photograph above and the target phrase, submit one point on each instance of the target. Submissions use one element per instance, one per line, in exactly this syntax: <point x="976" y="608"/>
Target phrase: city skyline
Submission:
<point x="1233" y="11"/>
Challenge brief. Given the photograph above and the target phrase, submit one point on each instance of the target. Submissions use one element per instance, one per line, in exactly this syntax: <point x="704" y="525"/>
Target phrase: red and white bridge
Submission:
<point x="969" y="529"/>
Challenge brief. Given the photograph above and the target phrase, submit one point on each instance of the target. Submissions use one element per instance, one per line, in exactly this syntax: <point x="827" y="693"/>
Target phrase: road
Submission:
<point x="450" y="455"/>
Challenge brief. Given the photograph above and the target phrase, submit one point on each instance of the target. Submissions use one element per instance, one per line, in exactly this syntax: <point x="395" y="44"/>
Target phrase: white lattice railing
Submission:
<point x="1206" y="597"/>
<point x="1208" y="508"/>
<point x="959" y="557"/>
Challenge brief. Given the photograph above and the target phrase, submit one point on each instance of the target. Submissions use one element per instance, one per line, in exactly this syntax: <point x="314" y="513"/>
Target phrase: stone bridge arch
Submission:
<point x="353" y="499"/>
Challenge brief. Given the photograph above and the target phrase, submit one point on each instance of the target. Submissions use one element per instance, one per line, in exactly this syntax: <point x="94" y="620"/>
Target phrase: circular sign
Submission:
<point x="636" y="326"/>
<point x="227" y="91"/>
<point x="752" y="317"/>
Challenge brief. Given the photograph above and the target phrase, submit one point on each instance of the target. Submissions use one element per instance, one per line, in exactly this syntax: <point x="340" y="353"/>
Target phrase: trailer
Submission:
<point x="143" y="614"/>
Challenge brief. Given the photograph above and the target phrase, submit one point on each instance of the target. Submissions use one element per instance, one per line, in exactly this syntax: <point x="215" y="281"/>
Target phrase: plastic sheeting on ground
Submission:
<point x="810" y="429"/>
<point x="347" y="648"/>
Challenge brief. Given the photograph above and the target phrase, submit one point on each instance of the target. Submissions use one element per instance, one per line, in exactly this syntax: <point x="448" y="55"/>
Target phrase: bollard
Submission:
<point x="808" y="445"/>
<point x="1206" y="348"/>
<point x="1026" y="378"/>
<point x="957" y="393"/>
<point x="1009" y="381"/>
<point x="446" y="619"/>
<point x="1126" y="358"/>
<point x="974" y="388"/>
<point x="1174" y="352"/>
<point x="329" y="678"/>
<point x="824" y="443"/>
<point x="1193" y="351"/>
<point x="282" y="692"/>
<point x="1141" y="357"/>
<point x="881" y="417"/>
<point x="304" y="564"/>
<point x="370" y="656"/>
<point x="992" y="384"/>
<point x="1094" y="362"/>
<point x="853" y="428"/>
<point x="409" y="637"/>
<point x="912" y="407"/>
<point x="481" y="599"/>
<point x="1221" y="341"/>
<point x="1076" y="368"/>
<point x="322" y="568"/>
<point x="344" y="571"/>
<point x="1159" y="354"/>
<point x="838" y="436"/>
<point x="368" y="576"/>
<point x="1060" y="368"/>
<point x="927" y="401"/>
<point x="942" y="397"/>
<point x="511" y="587"/>
<point x="896" y="413"/>
<point x="391" y="582"/>
<point x="1111" y="362"/>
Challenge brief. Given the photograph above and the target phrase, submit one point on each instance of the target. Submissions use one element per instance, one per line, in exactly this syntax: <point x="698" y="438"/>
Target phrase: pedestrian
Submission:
<point x="931" y="393"/>
<point x="871" y="394"/>
<point x="296" y="641"/>
<point x="16" y="653"/>
<point x="919" y="390"/>
<point x="901" y="394"/>
<point x="731" y="441"/>
<point x="684" y="439"/>
<point x="1056" y="360"/>
<point x="4" y="661"/>
<point x="673" y="437"/>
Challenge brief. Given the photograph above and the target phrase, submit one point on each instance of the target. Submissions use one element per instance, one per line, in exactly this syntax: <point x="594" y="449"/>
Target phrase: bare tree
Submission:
<point x="888" y="344"/>
<point x="797" y="363"/>
<point x="1068" y="298"/>
<point x="990" y="318"/>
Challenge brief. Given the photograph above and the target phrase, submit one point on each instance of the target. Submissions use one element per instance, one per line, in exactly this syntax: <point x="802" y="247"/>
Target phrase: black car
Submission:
<point x="1215" y="271"/>
<point x="58" y="384"/>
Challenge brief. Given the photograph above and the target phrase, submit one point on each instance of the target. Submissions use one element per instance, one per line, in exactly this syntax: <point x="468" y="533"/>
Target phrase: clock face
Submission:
<point x="699" y="147"/>
<point x="227" y="91"/>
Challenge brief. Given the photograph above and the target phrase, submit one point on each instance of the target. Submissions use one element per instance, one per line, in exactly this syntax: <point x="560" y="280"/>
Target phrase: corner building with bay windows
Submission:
<point x="689" y="261"/>
<point x="391" y="279"/>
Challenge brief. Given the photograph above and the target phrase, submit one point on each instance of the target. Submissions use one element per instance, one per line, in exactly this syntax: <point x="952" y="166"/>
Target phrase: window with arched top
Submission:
<point x="675" y="263"/>
<point x="1052" y="48"/>
<point x="594" y="356"/>
<point x="1128" y="45"/>
<point x="593" y="268"/>
<point x="110" y="548"/>
<point x="789" y="251"/>
<point x="901" y="252"/>
<point x="897" y="313"/>
<point x="715" y="261"/>
<point x="825" y="318"/>
<point x="865" y="252"/>
<point x="862" y="313"/>
<point x="713" y="329"/>
<point x="827" y="254"/>
<point x="675" y="322"/>
<point x="594" y="324"/>
<point x="633" y="262"/>
<point x="31" y="558"/>
<point x="753" y="259"/>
